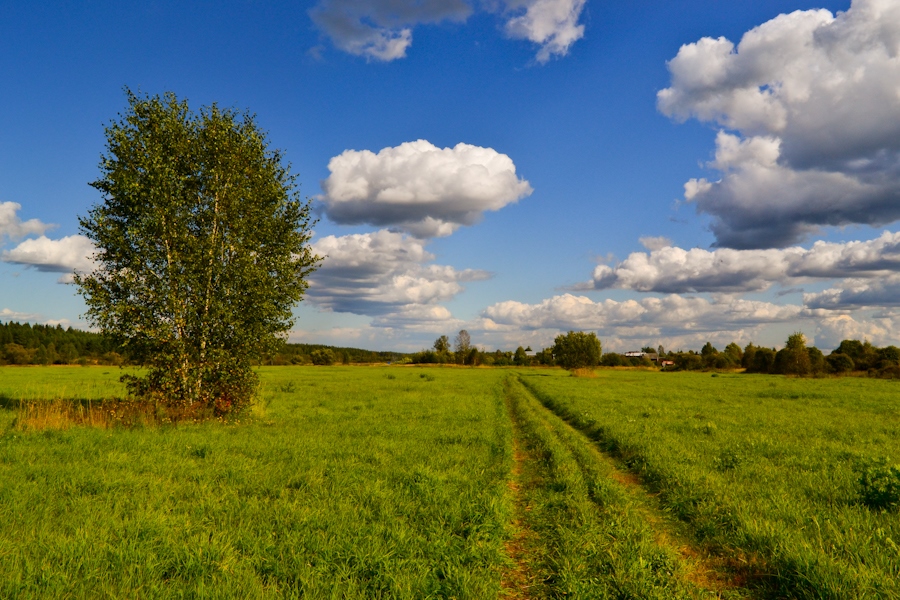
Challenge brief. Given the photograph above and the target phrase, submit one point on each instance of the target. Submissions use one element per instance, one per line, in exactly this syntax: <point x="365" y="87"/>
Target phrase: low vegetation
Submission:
<point x="411" y="482"/>
<point x="345" y="483"/>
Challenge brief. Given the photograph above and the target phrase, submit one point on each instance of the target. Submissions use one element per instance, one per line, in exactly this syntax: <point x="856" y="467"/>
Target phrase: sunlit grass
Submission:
<point x="761" y="467"/>
<point x="345" y="484"/>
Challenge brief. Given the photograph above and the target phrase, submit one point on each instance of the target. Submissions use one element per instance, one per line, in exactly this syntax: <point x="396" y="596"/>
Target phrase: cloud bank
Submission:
<point x="419" y="188"/>
<point x="670" y="315"/>
<point x="386" y="275"/>
<point x="671" y="269"/>
<point x="813" y="99"/>
<point x="382" y="29"/>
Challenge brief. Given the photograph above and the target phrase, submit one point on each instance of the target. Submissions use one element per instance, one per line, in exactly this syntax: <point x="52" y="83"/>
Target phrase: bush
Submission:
<point x="322" y="357"/>
<point x="839" y="363"/>
<point x="880" y="485"/>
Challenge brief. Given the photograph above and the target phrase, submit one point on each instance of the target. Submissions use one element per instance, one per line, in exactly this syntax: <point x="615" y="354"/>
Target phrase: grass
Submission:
<point x="766" y="470"/>
<point x="400" y="482"/>
<point x="346" y="484"/>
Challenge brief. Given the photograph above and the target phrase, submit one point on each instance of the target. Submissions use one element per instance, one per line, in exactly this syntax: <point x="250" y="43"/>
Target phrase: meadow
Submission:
<point x="429" y="482"/>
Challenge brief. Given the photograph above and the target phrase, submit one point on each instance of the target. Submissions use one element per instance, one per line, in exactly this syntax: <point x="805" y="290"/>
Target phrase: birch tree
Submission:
<point x="202" y="247"/>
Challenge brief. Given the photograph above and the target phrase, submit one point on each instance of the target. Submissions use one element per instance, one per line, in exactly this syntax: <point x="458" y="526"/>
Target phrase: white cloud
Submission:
<point x="815" y="99"/>
<point x="854" y="293"/>
<point x="553" y="24"/>
<point x="668" y="316"/>
<point x="13" y="228"/>
<point x="12" y="315"/>
<point x="384" y="274"/>
<point x="420" y="188"/>
<point x="66" y="255"/>
<point x="831" y="330"/>
<point x="675" y="270"/>
<point x="381" y="29"/>
<point x="655" y="243"/>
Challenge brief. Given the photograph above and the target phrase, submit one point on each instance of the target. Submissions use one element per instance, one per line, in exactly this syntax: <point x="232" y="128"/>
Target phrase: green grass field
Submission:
<point x="399" y="482"/>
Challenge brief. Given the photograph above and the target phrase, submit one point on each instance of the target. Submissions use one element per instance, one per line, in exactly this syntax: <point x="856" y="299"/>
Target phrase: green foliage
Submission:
<point x="202" y="245"/>
<point x="322" y="357"/>
<point x="880" y="485"/>
<point x="839" y="363"/>
<point x="442" y="344"/>
<point x="26" y="344"/>
<point x="577" y="350"/>
<point x="612" y="359"/>
<point x="793" y="359"/>
<point x="520" y="358"/>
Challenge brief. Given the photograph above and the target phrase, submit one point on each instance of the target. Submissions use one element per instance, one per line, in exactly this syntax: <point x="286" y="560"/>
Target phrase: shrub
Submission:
<point x="323" y="356"/>
<point x="880" y="485"/>
<point x="839" y="363"/>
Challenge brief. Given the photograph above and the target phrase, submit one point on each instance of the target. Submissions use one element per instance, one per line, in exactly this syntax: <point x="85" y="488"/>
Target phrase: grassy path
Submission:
<point x="589" y="530"/>
<point x="762" y="472"/>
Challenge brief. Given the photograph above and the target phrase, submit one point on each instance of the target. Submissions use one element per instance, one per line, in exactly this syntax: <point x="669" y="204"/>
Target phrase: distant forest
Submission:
<point x="26" y="344"/>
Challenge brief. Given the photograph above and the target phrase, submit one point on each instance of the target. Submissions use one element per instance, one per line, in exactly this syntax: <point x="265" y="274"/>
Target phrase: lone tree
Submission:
<point x="202" y="250"/>
<point x="577" y="350"/>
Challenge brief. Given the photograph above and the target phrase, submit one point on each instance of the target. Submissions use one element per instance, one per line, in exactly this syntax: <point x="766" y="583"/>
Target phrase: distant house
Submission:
<point x="653" y="356"/>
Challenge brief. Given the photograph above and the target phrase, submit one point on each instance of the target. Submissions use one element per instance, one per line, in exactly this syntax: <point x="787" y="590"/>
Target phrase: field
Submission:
<point x="399" y="482"/>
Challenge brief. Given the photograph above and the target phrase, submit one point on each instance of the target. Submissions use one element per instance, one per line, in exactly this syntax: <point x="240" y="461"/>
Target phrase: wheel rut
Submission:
<point x="709" y="575"/>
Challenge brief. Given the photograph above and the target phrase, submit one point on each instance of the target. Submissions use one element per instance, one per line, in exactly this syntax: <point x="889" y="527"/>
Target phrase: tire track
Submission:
<point x="613" y="489"/>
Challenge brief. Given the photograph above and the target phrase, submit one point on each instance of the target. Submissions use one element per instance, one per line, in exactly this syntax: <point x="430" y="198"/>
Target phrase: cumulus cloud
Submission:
<point x="671" y="269"/>
<point x="814" y="99"/>
<point x="655" y="243"/>
<point x="419" y="188"/>
<point x="552" y="24"/>
<point x="831" y="330"/>
<point x="384" y="274"/>
<point x="381" y="29"/>
<point x="13" y="228"/>
<point x="854" y="293"/>
<point x="66" y="255"/>
<point x="668" y="316"/>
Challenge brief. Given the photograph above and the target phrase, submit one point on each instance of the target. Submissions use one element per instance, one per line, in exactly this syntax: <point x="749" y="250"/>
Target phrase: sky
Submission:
<point x="661" y="173"/>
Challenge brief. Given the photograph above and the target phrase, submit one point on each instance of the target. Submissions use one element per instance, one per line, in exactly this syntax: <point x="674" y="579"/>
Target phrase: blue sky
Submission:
<point x="527" y="166"/>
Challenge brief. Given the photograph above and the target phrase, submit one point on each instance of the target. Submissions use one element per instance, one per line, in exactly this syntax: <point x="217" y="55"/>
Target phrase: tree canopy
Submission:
<point x="202" y="249"/>
<point x="577" y="350"/>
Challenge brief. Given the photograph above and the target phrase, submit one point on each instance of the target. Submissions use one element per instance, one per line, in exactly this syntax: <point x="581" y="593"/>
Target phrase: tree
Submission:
<point x="793" y="359"/>
<point x="577" y="350"/>
<point x="202" y="250"/>
<point x="442" y="344"/>
<point x="839" y="362"/>
<point x="520" y="358"/>
<point x="734" y="353"/>
<point x="463" y="344"/>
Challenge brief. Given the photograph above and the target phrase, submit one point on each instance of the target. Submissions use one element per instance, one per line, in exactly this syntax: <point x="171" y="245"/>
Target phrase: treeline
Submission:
<point x="319" y="354"/>
<point x="26" y="344"/>
<point x="796" y="358"/>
